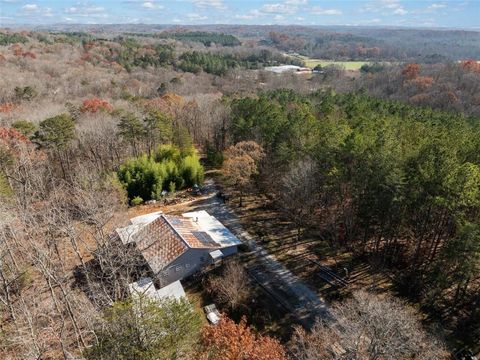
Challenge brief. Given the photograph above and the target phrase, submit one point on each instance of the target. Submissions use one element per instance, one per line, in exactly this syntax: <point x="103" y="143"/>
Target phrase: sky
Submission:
<point x="463" y="14"/>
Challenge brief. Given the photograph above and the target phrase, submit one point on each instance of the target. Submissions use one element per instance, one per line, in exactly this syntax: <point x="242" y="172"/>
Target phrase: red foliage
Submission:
<point x="411" y="71"/>
<point x="29" y="54"/>
<point x="230" y="341"/>
<point x="471" y="65"/>
<point x="7" y="107"/>
<point x="95" y="104"/>
<point x="9" y="135"/>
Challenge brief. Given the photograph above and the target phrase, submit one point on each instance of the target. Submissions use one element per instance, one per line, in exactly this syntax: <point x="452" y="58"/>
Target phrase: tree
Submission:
<point x="131" y="129"/>
<point x="158" y="129"/>
<point x="299" y="189"/>
<point x="241" y="164"/>
<point x="93" y="105"/>
<point x="147" y="329"/>
<point x="230" y="341"/>
<point x="369" y="327"/>
<point x="232" y="287"/>
<point x="56" y="133"/>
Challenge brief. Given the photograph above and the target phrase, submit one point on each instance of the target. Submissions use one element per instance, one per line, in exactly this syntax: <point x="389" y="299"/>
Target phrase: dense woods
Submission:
<point x="382" y="164"/>
<point x="396" y="183"/>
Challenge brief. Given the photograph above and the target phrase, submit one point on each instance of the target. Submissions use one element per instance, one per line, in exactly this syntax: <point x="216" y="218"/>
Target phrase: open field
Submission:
<point x="348" y="65"/>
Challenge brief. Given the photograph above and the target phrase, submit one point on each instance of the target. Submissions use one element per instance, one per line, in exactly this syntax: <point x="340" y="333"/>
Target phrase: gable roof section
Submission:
<point x="191" y="232"/>
<point x="159" y="244"/>
<point x="214" y="228"/>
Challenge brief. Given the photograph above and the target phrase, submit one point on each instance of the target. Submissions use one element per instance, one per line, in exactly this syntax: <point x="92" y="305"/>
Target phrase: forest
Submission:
<point x="377" y="169"/>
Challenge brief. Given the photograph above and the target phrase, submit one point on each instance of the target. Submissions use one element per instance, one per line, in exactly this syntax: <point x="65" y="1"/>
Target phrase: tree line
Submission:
<point x="396" y="183"/>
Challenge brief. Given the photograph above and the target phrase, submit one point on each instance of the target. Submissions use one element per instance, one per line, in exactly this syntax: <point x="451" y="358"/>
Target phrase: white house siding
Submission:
<point x="192" y="261"/>
<point x="185" y="265"/>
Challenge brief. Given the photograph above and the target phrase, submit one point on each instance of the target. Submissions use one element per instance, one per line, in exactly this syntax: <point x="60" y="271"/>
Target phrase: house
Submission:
<point x="175" y="247"/>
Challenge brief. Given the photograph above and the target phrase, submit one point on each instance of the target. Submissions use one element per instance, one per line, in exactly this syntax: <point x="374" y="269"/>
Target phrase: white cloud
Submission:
<point x="252" y="14"/>
<point x="47" y="12"/>
<point x="437" y="6"/>
<point x="278" y="9"/>
<point x="151" y="5"/>
<point x="386" y="7"/>
<point x="30" y="7"/>
<point x="279" y="18"/>
<point x="216" y="4"/>
<point x="196" y="17"/>
<point x="296" y="2"/>
<point x="317" y="10"/>
<point x="85" y="10"/>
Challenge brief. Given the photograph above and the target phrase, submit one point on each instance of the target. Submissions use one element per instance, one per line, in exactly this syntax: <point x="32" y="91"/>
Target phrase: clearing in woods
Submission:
<point x="348" y="65"/>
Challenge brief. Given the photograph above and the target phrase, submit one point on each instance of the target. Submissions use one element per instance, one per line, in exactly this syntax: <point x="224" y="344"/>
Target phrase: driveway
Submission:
<point x="291" y="292"/>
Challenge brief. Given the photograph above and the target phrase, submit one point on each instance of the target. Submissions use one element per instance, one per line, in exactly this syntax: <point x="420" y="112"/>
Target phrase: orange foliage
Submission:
<point x="7" y="107"/>
<point x="410" y="71"/>
<point x="2" y="58"/>
<point x="17" y="51"/>
<point x="230" y="341"/>
<point x="168" y="103"/>
<point x="94" y="104"/>
<point x="9" y="135"/>
<point x="471" y="65"/>
<point x="29" y="54"/>
<point x="422" y="82"/>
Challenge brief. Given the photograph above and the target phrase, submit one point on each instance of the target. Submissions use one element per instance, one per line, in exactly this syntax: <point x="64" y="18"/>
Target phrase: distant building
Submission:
<point x="175" y="247"/>
<point x="288" y="68"/>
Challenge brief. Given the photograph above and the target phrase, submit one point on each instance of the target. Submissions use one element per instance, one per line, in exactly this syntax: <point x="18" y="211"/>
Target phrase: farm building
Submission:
<point x="175" y="247"/>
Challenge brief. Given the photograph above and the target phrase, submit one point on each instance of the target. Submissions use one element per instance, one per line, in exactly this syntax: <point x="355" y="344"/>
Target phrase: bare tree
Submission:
<point x="368" y="327"/>
<point x="232" y="288"/>
<point x="299" y="193"/>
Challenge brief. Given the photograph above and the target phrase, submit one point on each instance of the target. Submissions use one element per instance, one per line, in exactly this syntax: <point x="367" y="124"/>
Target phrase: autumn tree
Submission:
<point x="230" y="341"/>
<point x="93" y="105"/>
<point x="411" y="71"/>
<point x="241" y="164"/>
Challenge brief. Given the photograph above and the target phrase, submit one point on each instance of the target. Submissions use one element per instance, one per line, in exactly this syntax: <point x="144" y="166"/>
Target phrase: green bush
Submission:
<point x="167" y="169"/>
<point x="137" y="200"/>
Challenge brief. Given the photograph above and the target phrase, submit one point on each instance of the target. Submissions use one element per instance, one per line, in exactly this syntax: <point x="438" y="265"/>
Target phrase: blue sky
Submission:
<point x="412" y="13"/>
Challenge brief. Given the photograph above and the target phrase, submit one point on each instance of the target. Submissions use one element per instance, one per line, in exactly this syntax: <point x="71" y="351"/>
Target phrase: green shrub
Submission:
<point x="137" y="200"/>
<point x="191" y="170"/>
<point x="26" y="127"/>
<point x="146" y="177"/>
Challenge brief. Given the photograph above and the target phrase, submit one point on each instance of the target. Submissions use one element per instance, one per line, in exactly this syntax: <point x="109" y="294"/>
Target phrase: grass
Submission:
<point x="348" y="65"/>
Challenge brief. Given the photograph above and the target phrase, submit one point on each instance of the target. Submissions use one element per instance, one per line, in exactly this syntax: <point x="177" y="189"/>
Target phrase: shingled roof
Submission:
<point x="163" y="238"/>
<point x="159" y="243"/>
